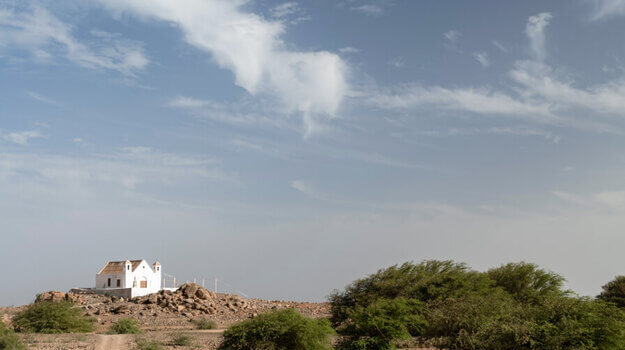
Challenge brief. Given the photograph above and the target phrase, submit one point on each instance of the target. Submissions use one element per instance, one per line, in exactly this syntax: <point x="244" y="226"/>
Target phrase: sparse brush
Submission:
<point x="9" y="340"/>
<point x="52" y="317"/>
<point x="204" y="323"/>
<point x="126" y="326"/>
<point x="144" y="344"/>
<point x="181" y="340"/>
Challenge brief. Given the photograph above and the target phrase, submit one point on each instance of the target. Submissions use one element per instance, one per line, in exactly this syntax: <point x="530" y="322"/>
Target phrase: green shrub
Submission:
<point x="514" y="306"/>
<point x="478" y="321"/>
<point x="526" y="282"/>
<point x="204" y="323"/>
<point x="382" y="323"/>
<point x="578" y="323"/>
<point x="52" y="317"/>
<point x="614" y="292"/>
<point x="126" y="326"/>
<point x="181" y="340"/>
<point x="144" y="344"/>
<point x="279" y="330"/>
<point x="428" y="280"/>
<point x="9" y="340"/>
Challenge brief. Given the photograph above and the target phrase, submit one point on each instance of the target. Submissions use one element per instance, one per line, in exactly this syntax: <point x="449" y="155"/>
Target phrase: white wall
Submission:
<point x="143" y="272"/>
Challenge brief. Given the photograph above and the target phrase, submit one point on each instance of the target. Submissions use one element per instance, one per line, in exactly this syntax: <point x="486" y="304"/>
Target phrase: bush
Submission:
<point x="126" y="326"/>
<point x="381" y="324"/>
<point x="515" y="306"/>
<point x="181" y="340"/>
<point x="526" y="282"/>
<point x="487" y="321"/>
<point x="204" y="323"/>
<point x="144" y="344"/>
<point x="578" y="323"/>
<point x="425" y="281"/>
<point x="614" y="292"/>
<point x="52" y="317"/>
<point x="9" y="340"/>
<point x="277" y="330"/>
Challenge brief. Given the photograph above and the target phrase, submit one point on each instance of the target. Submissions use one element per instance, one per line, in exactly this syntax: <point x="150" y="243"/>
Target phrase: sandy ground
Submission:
<point x="112" y="342"/>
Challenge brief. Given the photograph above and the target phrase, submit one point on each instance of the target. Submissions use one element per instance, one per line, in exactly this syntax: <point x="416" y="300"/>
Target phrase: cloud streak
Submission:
<point x="44" y="36"/>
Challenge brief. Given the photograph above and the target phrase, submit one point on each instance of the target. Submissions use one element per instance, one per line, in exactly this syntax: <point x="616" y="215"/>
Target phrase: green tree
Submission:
<point x="614" y="292"/>
<point x="382" y="323"/>
<point x="52" y="317"/>
<point x="526" y="282"/>
<point x="428" y="280"/>
<point x="279" y="330"/>
<point x="9" y="340"/>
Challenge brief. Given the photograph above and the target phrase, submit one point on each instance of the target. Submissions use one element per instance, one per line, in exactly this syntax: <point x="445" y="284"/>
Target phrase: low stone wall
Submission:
<point x="117" y="292"/>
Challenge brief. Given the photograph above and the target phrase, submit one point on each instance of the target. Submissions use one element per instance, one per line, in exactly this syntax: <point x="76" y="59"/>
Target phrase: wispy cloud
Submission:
<point x="45" y="36"/>
<point x="608" y="8"/>
<point x="310" y="83"/>
<point x="482" y="58"/>
<point x="349" y="49"/>
<point x="21" y="137"/>
<point x="605" y="200"/>
<point x="481" y="101"/>
<point x="290" y="11"/>
<point x="535" y="31"/>
<point x="500" y="46"/>
<point x="187" y="102"/>
<point x="369" y="10"/>
<point x="41" y="98"/>
<point x="537" y="92"/>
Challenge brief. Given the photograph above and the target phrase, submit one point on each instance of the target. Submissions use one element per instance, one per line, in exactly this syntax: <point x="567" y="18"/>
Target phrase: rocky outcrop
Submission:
<point x="55" y="296"/>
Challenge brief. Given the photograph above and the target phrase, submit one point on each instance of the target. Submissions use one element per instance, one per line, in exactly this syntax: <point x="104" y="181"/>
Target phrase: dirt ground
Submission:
<point x="93" y="341"/>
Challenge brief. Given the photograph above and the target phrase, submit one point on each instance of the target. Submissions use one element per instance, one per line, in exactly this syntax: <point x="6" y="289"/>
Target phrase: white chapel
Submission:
<point x="130" y="278"/>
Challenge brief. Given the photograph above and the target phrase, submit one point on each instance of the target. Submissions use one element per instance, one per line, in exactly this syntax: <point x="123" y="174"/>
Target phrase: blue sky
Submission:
<point x="291" y="147"/>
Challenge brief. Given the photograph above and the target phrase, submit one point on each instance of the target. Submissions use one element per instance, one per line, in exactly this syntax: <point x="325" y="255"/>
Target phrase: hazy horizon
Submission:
<point x="290" y="147"/>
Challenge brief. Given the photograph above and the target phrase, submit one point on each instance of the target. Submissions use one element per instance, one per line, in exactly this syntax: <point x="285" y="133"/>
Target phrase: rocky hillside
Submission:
<point x="175" y="309"/>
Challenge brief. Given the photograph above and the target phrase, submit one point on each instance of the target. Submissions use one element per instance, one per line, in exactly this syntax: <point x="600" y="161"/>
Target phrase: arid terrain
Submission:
<point x="162" y="316"/>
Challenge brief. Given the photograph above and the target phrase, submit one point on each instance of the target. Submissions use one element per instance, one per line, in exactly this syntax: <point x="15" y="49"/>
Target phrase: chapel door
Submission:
<point x="144" y="284"/>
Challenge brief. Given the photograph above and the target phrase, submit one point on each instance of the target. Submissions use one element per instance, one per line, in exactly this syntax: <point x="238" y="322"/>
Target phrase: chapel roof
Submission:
<point x="118" y="266"/>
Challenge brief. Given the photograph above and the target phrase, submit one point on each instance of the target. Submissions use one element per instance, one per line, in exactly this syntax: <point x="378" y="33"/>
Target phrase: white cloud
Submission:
<point x="21" y="137"/>
<point x="608" y="8"/>
<point x="610" y="200"/>
<point x="537" y="92"/>
<point x="500" y="46"/>
<point x="77" y="140"/>
<point x="187" y="102"/>
<point x="369" y="10"/>
<point x="482" y="58"/>
<point x="535" y="31"/>
<point x="42" y="99"/>
<point x="44" y="35"/>
<point x="285" y="9"/>
<point x="518" y="130"/>
<point x="349" y="49"/>
<point x="452" y="36"/>
<point x="481" y="101"/>
<point x="311" y="83"/>
<point x="541" y="81"/>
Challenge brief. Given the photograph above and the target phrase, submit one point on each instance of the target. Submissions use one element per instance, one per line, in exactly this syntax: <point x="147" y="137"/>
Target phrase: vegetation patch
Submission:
<point x="279" y="330"/>
<point x="144" y="344"/>
<point x="181" y="339"/>
<point x="52" y="317"/>
<point x="204" y="323"/>
<point x="9" y="340"/>
<point x="126" y="326"/>
<point x="448" y="305"/>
